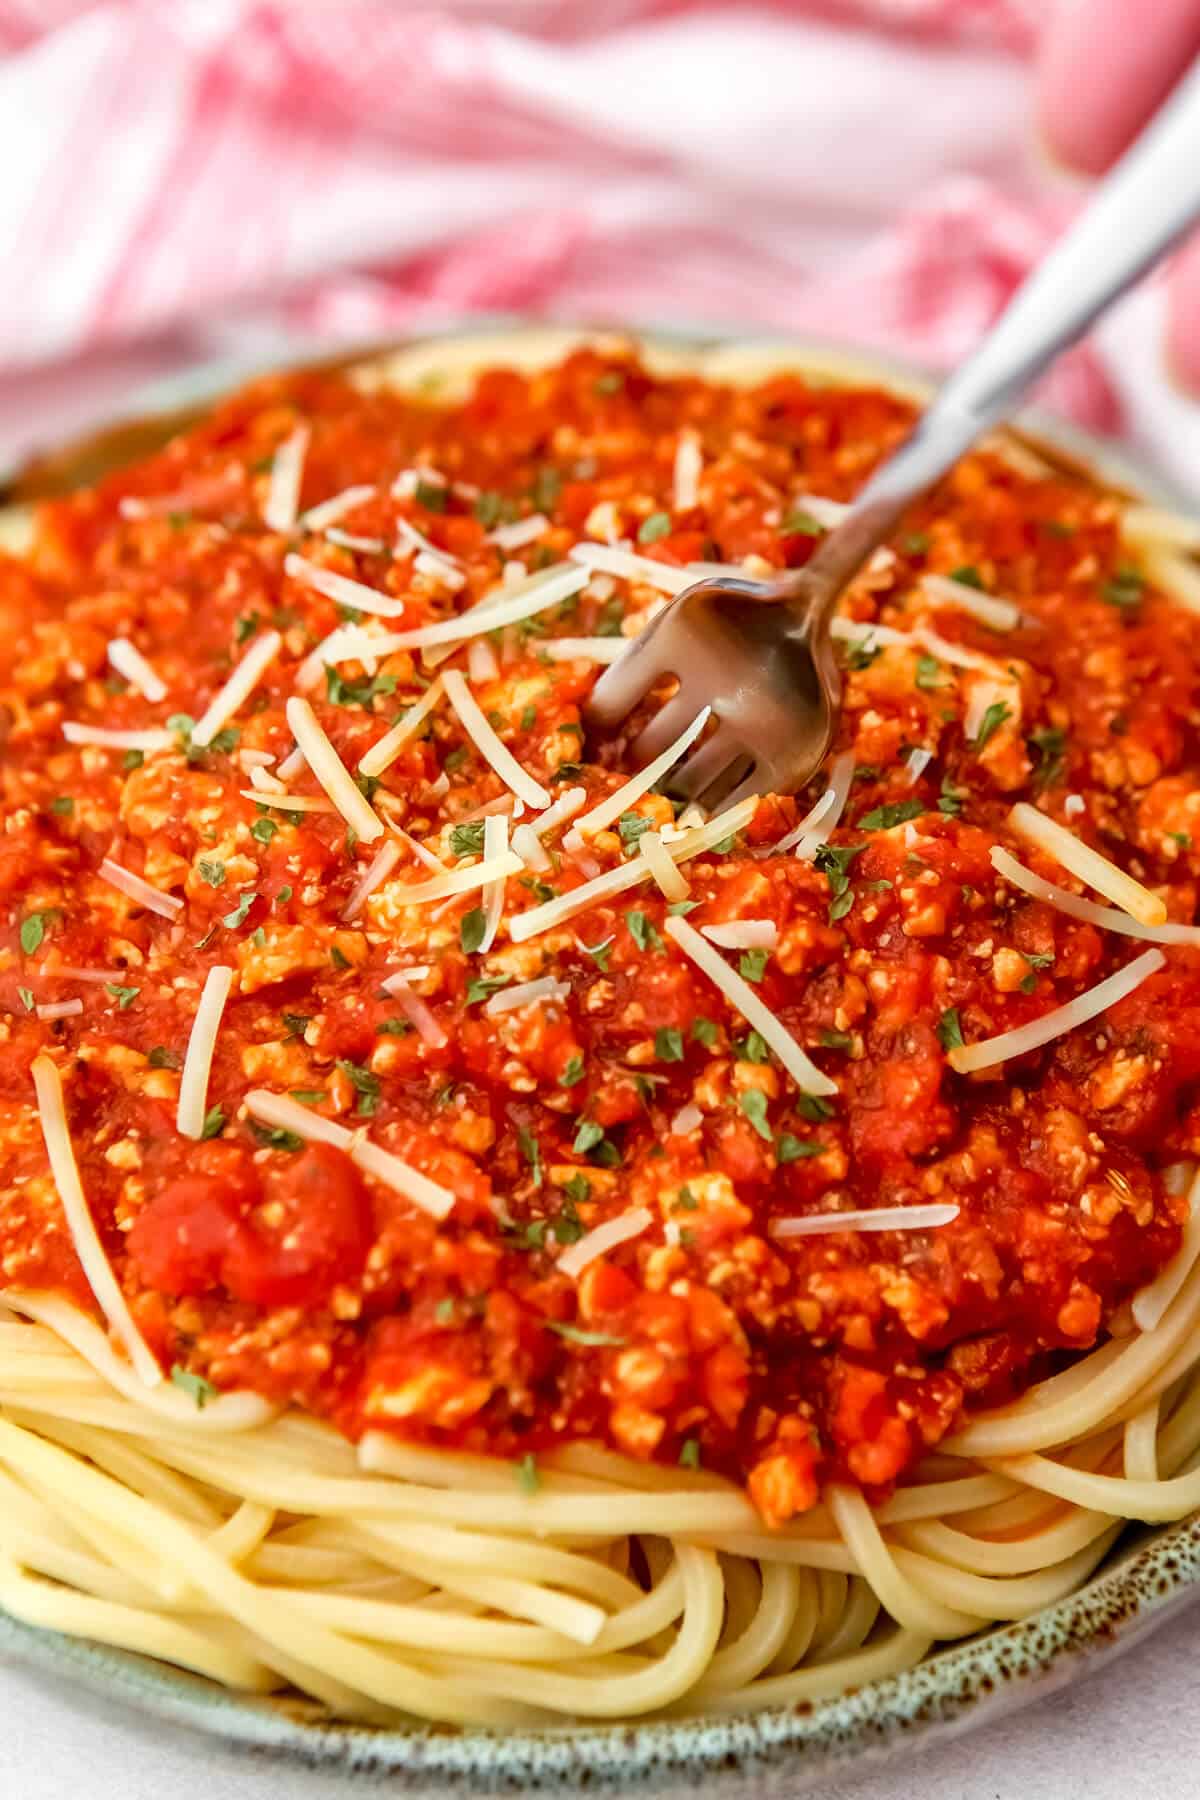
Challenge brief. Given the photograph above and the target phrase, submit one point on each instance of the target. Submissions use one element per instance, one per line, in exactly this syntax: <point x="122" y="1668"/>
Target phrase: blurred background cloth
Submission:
<point x="187" y="180"/>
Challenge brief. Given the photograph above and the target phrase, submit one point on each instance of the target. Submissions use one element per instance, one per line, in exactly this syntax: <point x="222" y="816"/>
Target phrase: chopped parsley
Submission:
<point x="133" y="759"/>
<point x="275" y="1137"/>
<point x="611" y="382"/>
<point x="631" y="827"/>
<point x="525" y="1474"/>
<point x="365" y="1085"/>
<point x="340" y="692"/>
<point x="124" y="996"/>
<point x="929" y="672"/>
<point x="64" y="806"/>
<point x="531" y="1150"/>
<point x="600" y="953"/>
<point x="668" y="1044"/>
<point x="968" y="575"/>
<point x="296" y="1023"/>
<point x="689" y="1453"/>
<point x="467" y="840"/>
<point x="915" y="543"/>
<point x="897" y="812"/>
<point x="658" y="525"/>
<point x="791" y="1149"/>
<point x="950" y="800"/>
<point x="572" y="1073"/>
<point x="836" y="1040"/>
<point x="752" y="1048"/>
<point x="802" y="523"/>
<point x="547" y="485"/>
<point x="162" y="1058"/>
<point x="813" y="1107"/>
<point x="1125" y="590"/>
<point x="753" y="1103"/>
<point x="706" y="1032"/>
<point x="591" y="1141"/>
<point x="642" y="931"/>
<point x="211" y="870"/>
<point x="33" y="930"/>
<point x="752" y="964"/>
<point x="431" y="495"/>
<point x="214" y="1123"/>
<point x="679" y="909"/>
<point x="991" y="722"/>
<point x="492" y="509"/>
<point x="245" y="627"/>
<point x="194" y="1386"/>
<point x="472" y="930"/>
<point x="25" y="996"/>
<point x="484" y="986"/>
<point x="1050" y="742"/>
<point x="949" y="1029"/>
<point x="264" y="830"/>
<point x="238" y="916"/>
<point x="861" y="653"/>
<point x="575" y="1334"/>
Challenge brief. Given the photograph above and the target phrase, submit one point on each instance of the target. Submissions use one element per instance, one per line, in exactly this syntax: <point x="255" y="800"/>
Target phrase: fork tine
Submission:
<point x="620" y="688"/>
<point x="674" y="716"/>
<point x="752" y="784"/>
<point x="693" y="777"/>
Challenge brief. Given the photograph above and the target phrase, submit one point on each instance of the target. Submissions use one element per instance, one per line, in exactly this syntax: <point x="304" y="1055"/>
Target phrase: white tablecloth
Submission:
<point x="1130" y="1732"/>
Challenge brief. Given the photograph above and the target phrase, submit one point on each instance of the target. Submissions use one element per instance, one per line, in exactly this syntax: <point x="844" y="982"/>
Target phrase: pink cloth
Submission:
<point x="189" y="179"/>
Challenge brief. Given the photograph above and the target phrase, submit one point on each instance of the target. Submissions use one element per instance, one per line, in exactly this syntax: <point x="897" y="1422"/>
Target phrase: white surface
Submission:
<point x="1130" y="1732"/>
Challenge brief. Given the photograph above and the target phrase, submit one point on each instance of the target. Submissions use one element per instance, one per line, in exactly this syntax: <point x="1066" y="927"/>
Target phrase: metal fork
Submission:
<point x="759" y="652"/>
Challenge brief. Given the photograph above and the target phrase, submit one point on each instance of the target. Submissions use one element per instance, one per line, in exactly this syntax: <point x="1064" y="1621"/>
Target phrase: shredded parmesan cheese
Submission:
<point x="287" y="474"/>
<point x="331" y="771"/>
<point x="437" y="563"/>
<point x="380" y="755"/>
<point x="495" y="845"/>
<point x="488" y="744"/>
<point x="825" y="512"/>
<point x="528" y="846"/>
<point x="598" y="1242"/>
<point x="816" y="832"/>
<point x="481" y="661"/>
<point x="526" y="993"/>
<point x="238" y="689"/>
<point x="285" y="1114"/>
<point x="317" y="518"/>
<point x="341" y="589"/>
<point x="75" y="733"/>
<point x="608" y="559"/>
<point x="520" y="533"/>
<point x="670" y="881"/>
<point x="1000" y="615"/>
<point x="743" y="999"/>
<point x="1094" y="870"/>
<point x="1085" y="1007"/>
<point x="419" y="1016"/>
<point x="197" y="1063"/>
<point x="129" y="663"/>
<point x="743" y="934"/>
<point x="688" y="1119"/>
<point x="1108" y="917"/>
<point x="284" y="802"/>
<point x="918" y="762"/>
<point x="134" y="888"/>
<point x="584" y="649"/>
<point x="631" y="874"/>
<point x="614" y="805"/>
<point x="60" y="1009"/>
<point x="459" y="881"/>
<point x="689" y="466"/>
<point x="881" y="1218"/>
<point x="531" y="599"/>
<point x="564" y="808"/>
<point x="88" y="1248"/>
<point x="377" y="871"/>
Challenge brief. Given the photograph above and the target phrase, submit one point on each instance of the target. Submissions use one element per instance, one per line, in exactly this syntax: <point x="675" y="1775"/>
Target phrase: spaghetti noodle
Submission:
<point x="578" y="1282"/>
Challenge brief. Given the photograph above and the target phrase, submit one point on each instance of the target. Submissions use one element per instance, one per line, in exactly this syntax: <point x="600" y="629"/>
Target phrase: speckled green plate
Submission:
<point x="782" y="1750"/>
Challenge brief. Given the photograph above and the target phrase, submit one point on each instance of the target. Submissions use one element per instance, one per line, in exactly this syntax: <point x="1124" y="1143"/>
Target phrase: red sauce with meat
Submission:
<point x="255" y="1259"/>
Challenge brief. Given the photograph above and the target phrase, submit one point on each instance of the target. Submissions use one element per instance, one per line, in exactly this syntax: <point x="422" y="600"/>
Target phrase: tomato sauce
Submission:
<point x="253" y="1258"/>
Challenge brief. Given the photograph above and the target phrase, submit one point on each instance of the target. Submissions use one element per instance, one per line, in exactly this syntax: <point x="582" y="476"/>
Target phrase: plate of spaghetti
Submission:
<point x="484" y="1246"/>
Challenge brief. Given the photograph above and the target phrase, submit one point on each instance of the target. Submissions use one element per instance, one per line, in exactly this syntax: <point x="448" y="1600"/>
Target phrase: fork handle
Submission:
<point x="1142" y="208"/>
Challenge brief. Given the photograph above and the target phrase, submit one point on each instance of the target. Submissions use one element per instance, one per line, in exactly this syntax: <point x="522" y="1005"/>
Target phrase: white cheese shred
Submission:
<point x="96" y="1267"/>
<point x="528" y="846"/>
<point x="536" y="596"/>
<point x="319" y="518"/>
<point x="670" y="881"/>
<point x="419" y="1016"/>
<point x="526" y="993"/>
<point x="285" y="1114"/>
<point x="743" y="934"/>
<point x="584" y="649"/>
<point x="459" y="881"/>
<point x="610" y="559"/>
<point x="287" y="474"/>
<point x="880" y="1218"/>
<point x="341" y="589"/>
<point x="132" y="666"/>
<point x="60" y="1009"/>
<point x="237" y="690"/>
<point x="495" y="845"/>
<point x="519" y="533"/>
<point x="1094" y="870"/>
<point x="1087" y="1006"/>
<point x="603" y="1238"/>
<point x="841" y="780"/>
<point x="743" y="999"/>
<point x="103" y="739"/>
<point x="689" y="466"/>
<point x="614" y="805"/>
<point x="380" y="755"/>
<point x="167" y="906"/>
<point x="331" y="771"/>
<point x="943" y="590"/>
<point x="489" y="746"/>
<point x="1107" y="917"/>
<point x="376" y="872"/>
<point x="197" y="1063"/>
